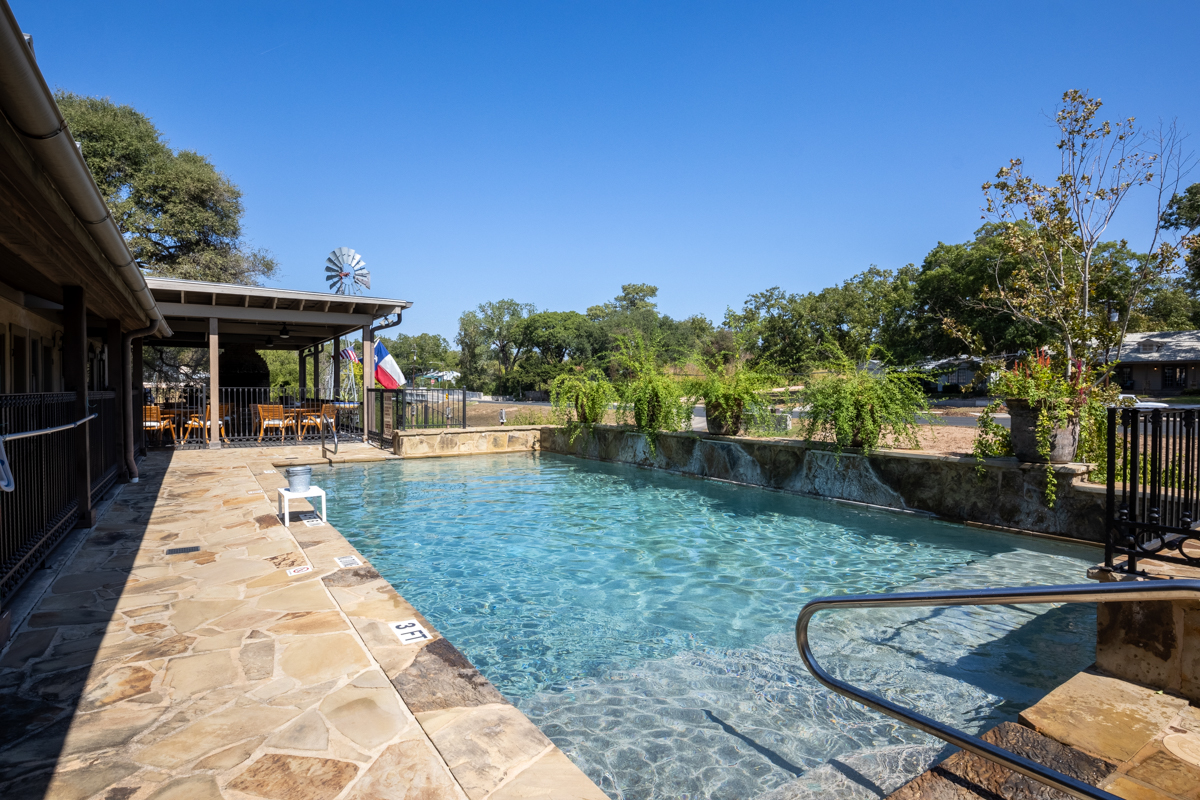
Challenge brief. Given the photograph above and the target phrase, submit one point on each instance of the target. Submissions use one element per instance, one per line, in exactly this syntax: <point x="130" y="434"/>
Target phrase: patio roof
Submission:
<point x="251" y="314"/>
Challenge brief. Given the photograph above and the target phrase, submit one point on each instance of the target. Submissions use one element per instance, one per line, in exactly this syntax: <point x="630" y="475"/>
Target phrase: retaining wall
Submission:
<point x="1008" y="495"/>
<point x="466" y="441"/>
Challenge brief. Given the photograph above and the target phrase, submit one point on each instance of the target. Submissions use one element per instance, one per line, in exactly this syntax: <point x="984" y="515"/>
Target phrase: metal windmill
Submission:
<point x="346" y="271"/>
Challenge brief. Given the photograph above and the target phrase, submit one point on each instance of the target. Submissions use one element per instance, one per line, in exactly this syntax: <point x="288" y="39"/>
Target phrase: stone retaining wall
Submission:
<point x="1008" y="495"/>
<point x="466" y="441"/>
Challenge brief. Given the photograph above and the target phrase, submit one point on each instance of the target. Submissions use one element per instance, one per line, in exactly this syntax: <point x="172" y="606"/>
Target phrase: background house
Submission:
<point x="1160" y="362"/>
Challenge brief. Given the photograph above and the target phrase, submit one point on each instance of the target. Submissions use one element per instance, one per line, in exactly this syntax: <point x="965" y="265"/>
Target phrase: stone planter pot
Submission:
<point x="732" y="426"/>
<point x="1064" y="439"/>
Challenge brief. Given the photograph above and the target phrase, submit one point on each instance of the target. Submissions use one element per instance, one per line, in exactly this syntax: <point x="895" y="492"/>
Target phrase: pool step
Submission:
<point x="964" y="776"/>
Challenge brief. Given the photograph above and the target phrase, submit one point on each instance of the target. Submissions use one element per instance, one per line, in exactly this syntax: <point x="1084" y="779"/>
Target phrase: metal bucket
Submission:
<point x="299" y="478"/>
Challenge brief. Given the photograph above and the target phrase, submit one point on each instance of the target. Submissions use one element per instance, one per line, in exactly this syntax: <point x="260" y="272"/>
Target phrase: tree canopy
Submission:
<point x="180" y="217"/>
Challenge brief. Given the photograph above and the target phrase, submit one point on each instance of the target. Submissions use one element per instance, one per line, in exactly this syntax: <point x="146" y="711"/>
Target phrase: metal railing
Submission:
<point x="1153" y="499"/>
<point x="329" y="437"/>
<point x="415" y="408"/>
<point x="283" y="415"/>
<point x="44" y="504"/>
<point x="1127" y="591"/>
<point x="103" y="445"/>
<point x="174" y="416"/>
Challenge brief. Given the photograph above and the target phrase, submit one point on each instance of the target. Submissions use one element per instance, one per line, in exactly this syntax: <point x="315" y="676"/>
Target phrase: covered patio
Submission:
<point x="235" y="323"/>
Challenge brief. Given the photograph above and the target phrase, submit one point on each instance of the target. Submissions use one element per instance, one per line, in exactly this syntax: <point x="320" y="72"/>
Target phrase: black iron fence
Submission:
<point x="176" y="416"/>
<point x="284" y="415"/>
<point x="415" y="408"/>
<point x="104" y="446"/>
<point x="44" y="502"/>
<point x="1153" y="504"/>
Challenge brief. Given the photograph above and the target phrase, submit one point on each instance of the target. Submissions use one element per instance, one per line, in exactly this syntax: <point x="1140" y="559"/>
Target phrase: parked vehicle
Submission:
<point x="1142" y="403"/>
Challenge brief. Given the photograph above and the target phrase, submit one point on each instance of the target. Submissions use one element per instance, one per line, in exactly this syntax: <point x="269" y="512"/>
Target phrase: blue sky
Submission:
<point x="552" y="151"/>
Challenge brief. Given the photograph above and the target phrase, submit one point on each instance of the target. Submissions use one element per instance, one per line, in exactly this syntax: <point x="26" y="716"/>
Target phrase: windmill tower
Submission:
<point x="345" y="271"/>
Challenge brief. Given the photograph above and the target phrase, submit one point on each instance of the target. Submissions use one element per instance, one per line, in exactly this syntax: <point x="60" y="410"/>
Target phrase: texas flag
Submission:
<point x="387" y="374"/>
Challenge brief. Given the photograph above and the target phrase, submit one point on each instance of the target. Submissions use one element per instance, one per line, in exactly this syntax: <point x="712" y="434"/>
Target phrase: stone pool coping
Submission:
<point x="224" y="672"/>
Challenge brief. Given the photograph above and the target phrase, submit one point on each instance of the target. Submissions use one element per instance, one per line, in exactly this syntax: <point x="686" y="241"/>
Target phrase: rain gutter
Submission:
<point x="27" y="102"/>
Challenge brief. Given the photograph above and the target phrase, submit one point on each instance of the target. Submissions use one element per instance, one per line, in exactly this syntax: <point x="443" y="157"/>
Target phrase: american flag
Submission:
<point x="349" y="355"/>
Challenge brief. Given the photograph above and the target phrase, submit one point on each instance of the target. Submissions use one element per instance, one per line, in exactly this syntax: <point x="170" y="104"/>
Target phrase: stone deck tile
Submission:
<point x="1152" y="737"/>
<point x="214" y="674"/>
<point x="492" y="749"/>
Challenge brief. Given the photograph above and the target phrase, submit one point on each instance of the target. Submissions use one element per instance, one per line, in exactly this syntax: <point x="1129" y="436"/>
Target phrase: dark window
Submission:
<point x="20" y="365"/>
<point x="1125" y="377"/>
<point x="1174" y="377"/>
<point x="35" y="374"/>
<point x="47" y="368"/>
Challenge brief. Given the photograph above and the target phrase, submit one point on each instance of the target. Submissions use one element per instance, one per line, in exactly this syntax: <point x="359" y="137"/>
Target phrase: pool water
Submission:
<point x="645" y="620"/>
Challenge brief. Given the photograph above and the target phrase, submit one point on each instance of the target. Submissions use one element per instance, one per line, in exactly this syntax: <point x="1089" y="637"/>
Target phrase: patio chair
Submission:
<point x="196" y="422"/>
<point x="312" y="418"/>
<point x="152" y="420"/>
<point x="274" y="417"/>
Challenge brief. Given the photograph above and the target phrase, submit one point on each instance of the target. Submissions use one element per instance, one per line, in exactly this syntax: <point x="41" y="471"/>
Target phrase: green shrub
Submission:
<point x="653" y="398"/>
<point x="733" y="392"/>
<point x="858" y="405"/>
<point x="580" y="399"/>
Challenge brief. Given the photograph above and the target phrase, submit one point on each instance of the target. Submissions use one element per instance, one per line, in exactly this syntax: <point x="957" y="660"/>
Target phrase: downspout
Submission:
<point x="384" y="327"/>
<point x="27" y="103"/>
<point x="127" y="393"/>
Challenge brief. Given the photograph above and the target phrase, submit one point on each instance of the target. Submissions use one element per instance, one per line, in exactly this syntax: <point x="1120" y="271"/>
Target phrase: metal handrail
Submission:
<point x="9" y="437"/>
<point x="1125" y="591"/>
<point x="332" y="428"/>
<point x="7" y="482"/>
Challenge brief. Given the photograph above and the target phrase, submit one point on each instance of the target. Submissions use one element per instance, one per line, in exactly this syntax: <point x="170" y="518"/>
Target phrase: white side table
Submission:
<point x="286" y="495"/>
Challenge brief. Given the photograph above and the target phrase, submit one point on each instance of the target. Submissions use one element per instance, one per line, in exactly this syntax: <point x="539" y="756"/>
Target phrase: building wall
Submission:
<point x="31" y="350"/>
<point x="1148" y="378"/>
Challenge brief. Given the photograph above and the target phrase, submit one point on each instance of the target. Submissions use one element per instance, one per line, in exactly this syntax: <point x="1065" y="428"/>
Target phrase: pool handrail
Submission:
<point x="1123" y="591"/>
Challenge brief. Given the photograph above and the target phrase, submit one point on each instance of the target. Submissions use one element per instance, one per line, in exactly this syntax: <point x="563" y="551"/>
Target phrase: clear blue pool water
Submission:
<point x="644" y="620"/>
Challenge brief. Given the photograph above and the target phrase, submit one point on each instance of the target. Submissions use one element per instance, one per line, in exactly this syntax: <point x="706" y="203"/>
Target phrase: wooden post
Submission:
<point x="317" y="372"/>
<point x="75" y="380"/>
<point x="368" y="365"/>
<point x="112" y="341"/>
<point x="337" y="367"/>
<point x="214" y="386"/>
<point x="139" y="395"/>
<point x="303" y="372"/>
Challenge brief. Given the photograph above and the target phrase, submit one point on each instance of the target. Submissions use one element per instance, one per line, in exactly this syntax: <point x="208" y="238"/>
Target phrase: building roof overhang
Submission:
<point x="253" y="314"/>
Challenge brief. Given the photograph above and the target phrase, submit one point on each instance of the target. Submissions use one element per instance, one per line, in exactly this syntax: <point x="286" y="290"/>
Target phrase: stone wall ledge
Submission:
<point x="1009" y="494"/>
<point x="489" y="429"/>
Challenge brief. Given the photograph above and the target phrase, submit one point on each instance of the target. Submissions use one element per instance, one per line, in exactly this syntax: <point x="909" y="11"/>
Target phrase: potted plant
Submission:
<point x="1044" y="406"/>
<point x="862" y="404"/>
<point x="1054" y="417"/>
<point x="731" y="390"/>
<point x="653" y="398"/>
<point x="581" y="398"/>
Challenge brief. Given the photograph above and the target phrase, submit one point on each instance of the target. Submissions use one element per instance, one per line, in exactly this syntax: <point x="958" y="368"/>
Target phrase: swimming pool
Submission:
<point x="644" y="620"/>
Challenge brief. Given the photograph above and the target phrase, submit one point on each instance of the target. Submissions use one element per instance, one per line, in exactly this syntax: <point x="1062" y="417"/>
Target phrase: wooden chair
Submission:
<point x="196" y="422"/>
<point x="152" y="420"/>
<point x="274" y="417"/>
<point x="312" y="418"/>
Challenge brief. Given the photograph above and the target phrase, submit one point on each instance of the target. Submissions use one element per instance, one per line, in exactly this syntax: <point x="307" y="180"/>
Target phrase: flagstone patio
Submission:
<point x="218" y="673"/>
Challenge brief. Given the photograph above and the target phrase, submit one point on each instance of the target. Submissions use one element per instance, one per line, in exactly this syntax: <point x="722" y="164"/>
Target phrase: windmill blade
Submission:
<point x="345" y="270"/>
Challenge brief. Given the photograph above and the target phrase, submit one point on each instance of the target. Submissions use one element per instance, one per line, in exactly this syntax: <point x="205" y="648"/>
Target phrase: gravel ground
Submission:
<point x="944" y="439"/>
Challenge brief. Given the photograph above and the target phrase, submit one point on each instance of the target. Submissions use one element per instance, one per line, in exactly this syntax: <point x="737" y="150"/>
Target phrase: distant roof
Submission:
<point x="251" y="314"/>
<point x="1160" y="346"/>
